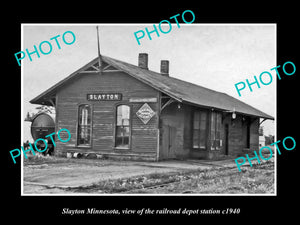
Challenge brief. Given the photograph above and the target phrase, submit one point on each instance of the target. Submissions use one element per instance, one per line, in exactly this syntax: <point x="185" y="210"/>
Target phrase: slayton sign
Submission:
<point x="104" y="97"/>
<point x="145" y="113"/>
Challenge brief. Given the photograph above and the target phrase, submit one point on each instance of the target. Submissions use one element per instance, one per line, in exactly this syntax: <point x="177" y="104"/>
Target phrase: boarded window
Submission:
<point x="199" y="129"/>
<point x="123" y="126"/>
<point x="215" y="131"/>
<point x="84" y="125"/>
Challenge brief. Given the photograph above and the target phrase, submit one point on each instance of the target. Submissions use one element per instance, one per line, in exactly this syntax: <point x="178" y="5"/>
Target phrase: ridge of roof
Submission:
<point x="180" y="90"/>
<point x="187" y="91"/>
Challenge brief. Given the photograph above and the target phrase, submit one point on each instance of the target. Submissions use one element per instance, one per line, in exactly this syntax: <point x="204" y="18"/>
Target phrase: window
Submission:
<point x="123" y="127"/>
<point x="199" y="129"/>
<point x="215" y="131"/>
<point x="84" y="125"/>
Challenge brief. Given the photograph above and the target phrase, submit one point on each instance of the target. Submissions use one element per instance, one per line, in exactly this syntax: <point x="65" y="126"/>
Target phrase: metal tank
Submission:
<point x="42" y="125"/>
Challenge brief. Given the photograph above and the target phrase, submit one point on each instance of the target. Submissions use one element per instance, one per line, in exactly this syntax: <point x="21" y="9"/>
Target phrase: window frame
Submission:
<point x="88" y="145"/>
<point x="213" y="146"/>
<point x="200" y="111"/>
<point x="115" y="126"/>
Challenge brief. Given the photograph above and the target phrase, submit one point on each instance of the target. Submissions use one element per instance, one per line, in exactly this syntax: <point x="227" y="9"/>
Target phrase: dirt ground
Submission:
<point x="50" y="175"/>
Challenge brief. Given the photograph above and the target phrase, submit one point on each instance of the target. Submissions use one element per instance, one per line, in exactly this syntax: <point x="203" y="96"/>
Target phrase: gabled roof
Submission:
<point x="180" y="90"/>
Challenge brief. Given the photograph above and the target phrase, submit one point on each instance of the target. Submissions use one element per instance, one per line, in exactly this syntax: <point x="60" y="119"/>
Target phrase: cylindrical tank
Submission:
<point x="42" y="125"/>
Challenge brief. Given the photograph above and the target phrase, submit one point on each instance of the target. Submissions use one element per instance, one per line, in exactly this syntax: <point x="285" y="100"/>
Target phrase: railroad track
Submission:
<point x="168" y="183"/>
<point x="230" y="171"/>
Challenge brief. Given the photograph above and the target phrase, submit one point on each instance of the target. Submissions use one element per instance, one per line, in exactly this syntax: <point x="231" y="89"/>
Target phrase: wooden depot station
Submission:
<point x="127" y="111"/>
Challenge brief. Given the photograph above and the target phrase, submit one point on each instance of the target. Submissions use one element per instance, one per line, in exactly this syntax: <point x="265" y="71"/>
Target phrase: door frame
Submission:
<point x="226" y="127"/>
<point x="168" y="142"/>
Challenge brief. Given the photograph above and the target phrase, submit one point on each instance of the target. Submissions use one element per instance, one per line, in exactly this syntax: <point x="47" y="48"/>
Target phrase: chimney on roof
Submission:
<point x="143" y="60"/>
<point x="164" y="67"/>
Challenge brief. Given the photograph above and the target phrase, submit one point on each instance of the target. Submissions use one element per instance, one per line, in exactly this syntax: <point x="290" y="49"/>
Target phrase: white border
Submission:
<point x="22" y="111"/>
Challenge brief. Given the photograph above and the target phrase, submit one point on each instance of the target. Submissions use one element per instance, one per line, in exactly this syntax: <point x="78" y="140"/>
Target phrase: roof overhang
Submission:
<point x="179" y="90"/>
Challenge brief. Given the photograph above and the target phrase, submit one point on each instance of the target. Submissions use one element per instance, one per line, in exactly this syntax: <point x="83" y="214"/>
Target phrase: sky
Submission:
<point x="216" y="56"/>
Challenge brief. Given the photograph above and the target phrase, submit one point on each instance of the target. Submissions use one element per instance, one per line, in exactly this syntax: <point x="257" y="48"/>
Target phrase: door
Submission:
<point x="168" y="142"/>
<point x="246" y="134"/>
<point x="226" y="138"/>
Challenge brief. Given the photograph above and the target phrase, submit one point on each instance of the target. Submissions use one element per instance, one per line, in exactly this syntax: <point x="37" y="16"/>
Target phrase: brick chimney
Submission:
<point x="143" y="60"/>
<point x="164" y="67"/>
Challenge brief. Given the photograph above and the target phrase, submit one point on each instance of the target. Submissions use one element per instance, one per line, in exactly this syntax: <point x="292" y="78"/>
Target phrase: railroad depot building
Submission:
<point x="129" y="111"/>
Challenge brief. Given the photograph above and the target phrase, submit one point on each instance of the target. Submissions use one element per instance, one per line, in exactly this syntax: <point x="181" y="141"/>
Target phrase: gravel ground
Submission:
<point x="50" y="175"/>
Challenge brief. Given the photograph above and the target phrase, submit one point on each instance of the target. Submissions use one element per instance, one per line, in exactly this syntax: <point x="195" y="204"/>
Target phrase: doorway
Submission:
<point x="226" y="138"/>
<point x="248" y="135"/>
<point x="168" y="142"/>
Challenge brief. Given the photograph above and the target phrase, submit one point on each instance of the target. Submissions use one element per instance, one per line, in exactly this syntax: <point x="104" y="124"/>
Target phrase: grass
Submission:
<point x="40" y="159"/>
<point x="253" y="180"/>
<point x="128" y="184"/>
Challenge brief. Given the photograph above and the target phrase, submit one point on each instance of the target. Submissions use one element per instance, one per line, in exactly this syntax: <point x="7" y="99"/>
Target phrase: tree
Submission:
<point x="269" y="139"/>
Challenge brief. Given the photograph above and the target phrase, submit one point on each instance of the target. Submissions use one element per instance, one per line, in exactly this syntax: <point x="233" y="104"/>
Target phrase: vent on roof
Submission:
<point x="164" y="67"/>
<point x="143" y="60"/>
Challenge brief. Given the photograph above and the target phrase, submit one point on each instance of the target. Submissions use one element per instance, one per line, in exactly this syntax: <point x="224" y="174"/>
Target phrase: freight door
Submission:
<point x="168" y="142"/>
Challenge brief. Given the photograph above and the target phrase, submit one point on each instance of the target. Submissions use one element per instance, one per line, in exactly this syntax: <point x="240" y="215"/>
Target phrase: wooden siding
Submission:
<point x="143" y="136"/>
<point x="175" y="124"/>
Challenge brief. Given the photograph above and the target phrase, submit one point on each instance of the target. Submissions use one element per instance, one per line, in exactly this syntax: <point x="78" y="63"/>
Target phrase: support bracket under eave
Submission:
<point x="167" y="103"/>
<point x="262" y="121"/>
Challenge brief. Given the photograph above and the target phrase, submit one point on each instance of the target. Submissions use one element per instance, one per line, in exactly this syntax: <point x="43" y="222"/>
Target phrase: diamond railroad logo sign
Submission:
<point x="145" y="113"/>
